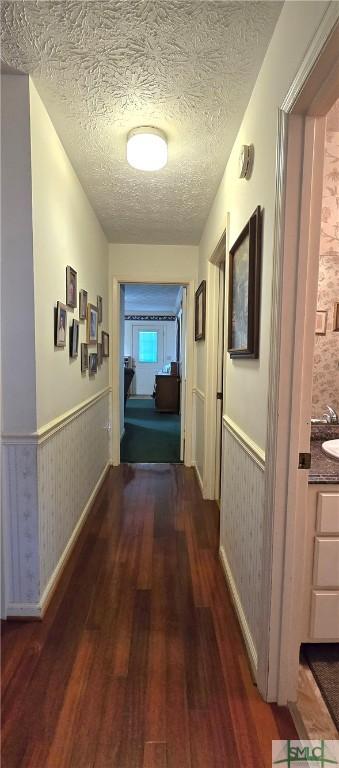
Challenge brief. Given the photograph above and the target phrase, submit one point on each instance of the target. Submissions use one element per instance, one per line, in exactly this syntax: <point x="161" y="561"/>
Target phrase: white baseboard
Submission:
<point x="199" y="478"/>
<point x="23" y="610"/>
<point x="251" y="649"/>
<point x="37" y="610"/>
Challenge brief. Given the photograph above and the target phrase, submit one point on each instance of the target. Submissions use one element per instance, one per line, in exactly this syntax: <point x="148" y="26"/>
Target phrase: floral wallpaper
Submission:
<point x="326" y="352"/>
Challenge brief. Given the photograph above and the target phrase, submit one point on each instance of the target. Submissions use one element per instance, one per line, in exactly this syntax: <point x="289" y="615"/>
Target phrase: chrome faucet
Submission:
<point x="329" y="416"/>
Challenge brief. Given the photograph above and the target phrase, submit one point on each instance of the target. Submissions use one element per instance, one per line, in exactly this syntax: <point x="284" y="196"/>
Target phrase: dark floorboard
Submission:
<point x="139" y="661"/>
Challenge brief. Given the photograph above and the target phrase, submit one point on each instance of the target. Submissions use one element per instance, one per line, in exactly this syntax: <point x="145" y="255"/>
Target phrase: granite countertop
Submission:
<point x="323" y="468"/>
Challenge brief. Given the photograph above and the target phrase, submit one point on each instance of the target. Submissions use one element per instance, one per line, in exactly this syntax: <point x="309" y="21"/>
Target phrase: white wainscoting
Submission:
<point x="51" y="479"/>
<point x="241" y="529"/>
<point x="198" y="433"/>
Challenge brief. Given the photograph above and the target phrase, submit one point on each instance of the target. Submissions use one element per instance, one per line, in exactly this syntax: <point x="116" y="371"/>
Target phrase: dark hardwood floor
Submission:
<point x="139" y="661"/>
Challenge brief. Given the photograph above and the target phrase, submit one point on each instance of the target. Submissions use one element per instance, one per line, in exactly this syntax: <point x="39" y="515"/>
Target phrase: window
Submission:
<point x="148" y="346"/>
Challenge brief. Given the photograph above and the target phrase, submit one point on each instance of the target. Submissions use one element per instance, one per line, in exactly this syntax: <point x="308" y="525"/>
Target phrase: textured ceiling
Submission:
<point x="151" y="298"/>
<point x="103" y="67"/>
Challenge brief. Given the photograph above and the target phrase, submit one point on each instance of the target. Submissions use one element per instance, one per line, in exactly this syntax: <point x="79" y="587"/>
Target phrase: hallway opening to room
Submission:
<point x="152" y="339"/>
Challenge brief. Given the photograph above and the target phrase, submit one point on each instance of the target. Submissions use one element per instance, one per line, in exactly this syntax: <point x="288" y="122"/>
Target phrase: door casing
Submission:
<point x="114" y="370"/>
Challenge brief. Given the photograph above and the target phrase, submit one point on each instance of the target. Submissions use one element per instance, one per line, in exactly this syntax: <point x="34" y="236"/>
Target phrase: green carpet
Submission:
<point x="150" y="436"/>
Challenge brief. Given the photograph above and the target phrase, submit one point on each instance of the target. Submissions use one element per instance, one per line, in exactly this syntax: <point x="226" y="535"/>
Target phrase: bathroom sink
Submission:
<point x="331" y="447"/>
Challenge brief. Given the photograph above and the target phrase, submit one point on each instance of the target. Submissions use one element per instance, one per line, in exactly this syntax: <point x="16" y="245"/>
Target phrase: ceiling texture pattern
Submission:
<point x="151" y="298"/>
<point x="104" y="67"/>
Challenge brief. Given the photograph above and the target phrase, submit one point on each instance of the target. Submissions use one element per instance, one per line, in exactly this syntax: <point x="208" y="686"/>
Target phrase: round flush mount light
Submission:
<point x="147" y="149"/>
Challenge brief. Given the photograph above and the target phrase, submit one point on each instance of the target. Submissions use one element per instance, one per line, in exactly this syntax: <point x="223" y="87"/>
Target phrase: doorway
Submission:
<point x="154" y="349"/>
<point x="288" y="506"/>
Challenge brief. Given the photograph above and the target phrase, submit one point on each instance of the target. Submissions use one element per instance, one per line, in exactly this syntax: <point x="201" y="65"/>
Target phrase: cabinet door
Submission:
<point x="328" y="513"/>
<point x="325" y="616"/>
<point x="326" y="562"/>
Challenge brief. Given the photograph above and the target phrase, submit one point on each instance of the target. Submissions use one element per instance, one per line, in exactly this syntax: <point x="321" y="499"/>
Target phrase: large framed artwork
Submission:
<point x="200" y="312"/>
<point x="244" y="290"/>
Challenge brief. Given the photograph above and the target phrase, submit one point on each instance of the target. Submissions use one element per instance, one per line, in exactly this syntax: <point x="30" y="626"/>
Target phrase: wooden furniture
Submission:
<point x="167" y="393"/>
<point x="321" y="578"/>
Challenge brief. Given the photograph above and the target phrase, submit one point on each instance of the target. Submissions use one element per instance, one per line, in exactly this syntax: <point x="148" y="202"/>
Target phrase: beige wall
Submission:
<point x="48" y="484"/>
<point x="17" y="295"/>
<point x="65" y="231"/>
<point x="326" y="351"/>
<point x="154" y="263"/>
<point x="247" y="381"/>
<point x="246" y="395"/>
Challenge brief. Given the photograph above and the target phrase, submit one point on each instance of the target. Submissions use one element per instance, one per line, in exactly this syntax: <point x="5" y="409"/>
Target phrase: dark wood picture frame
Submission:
<point x="60" y="325"/>
<point x="71" y="287"/>
<point x="84" y="358"/>
<point x="200" y="312"/>
<point x="74" y="339"/>
<point x="92" y="363"/>
<point x="251" y="311"/>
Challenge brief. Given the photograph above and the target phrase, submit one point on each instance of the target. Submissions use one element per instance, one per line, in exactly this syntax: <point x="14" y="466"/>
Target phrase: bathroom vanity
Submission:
<point x="321" y="575"/>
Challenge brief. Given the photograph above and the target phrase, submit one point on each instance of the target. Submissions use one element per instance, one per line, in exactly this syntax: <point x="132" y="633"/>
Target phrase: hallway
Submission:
<point x="139" y="661"/>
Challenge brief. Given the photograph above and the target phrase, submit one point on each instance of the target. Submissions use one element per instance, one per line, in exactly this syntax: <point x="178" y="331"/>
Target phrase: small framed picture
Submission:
<point x="200" y="312"/>
<point x="99" y="305"/>
<point x="71" y="287"/>
<point x="61" y="325"/>
<point x="321" y="322"/>
<point x="105" y="344"/>
<point x="83" y="295"/>
<point x="74" y="339"/>
<point x="92" y="363"/>
<point x="92" y="324"/>
<point x="99" y="351"/>
<point x="336" y="316"/>
<point x="84" y="358"/>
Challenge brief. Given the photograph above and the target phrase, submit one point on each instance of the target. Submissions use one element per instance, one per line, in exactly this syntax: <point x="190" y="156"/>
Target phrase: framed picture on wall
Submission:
<point x="105" y="344"/>
<point x="83" y="296"/>
<point x="99" y="353"/>
<point x="74" y="340"/>
<point x="84" y="358"/>
<point x="92" y="324"/>
<point x="244" y="290"/>
<point x="93" y="363"/>
<point x="60" y="325"/>
<point x="200" y="312"/>
<point x="99" y="305"/>
<point x="71" y="287"/>
<point x="336" y="316"/>
<point x="321" y="322"/>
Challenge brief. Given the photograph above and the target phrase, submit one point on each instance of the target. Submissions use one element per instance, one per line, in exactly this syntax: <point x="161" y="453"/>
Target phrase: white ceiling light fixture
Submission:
<point x="147" y="148"/>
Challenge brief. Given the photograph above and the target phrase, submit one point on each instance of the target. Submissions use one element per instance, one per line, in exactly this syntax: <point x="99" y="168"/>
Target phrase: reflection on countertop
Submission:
<point x="323" y="468"/>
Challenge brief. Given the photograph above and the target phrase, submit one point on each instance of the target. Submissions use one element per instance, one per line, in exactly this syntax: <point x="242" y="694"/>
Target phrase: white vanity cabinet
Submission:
<point x="321" y="577"/>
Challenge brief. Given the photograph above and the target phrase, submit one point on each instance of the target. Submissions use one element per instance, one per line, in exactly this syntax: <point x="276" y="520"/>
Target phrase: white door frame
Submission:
<point x="296" y="251"/>
<point x="211" y="363"/>
<point x="115" y="336"/>
<point x="183" y="343"/>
